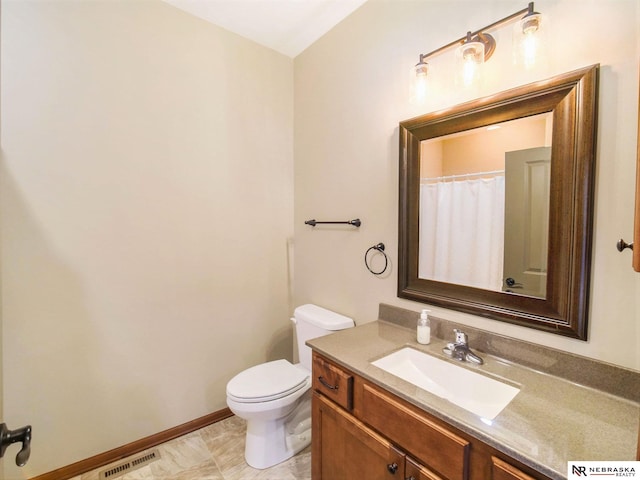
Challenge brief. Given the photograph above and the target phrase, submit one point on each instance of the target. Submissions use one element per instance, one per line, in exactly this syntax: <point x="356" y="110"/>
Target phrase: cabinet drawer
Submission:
<point x="501" y="470"/>
<point x="415" y="471"/>
<point x="333" y="382"/>
<point x="430" y="443"/>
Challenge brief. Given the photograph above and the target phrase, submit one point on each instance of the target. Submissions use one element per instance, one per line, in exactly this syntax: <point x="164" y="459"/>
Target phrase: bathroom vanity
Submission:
<point x="364" y="431"/>
<point x="369" y="423"/>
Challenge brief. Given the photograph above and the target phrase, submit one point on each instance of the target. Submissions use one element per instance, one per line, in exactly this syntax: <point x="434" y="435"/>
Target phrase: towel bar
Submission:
<point x="355" y="222"/>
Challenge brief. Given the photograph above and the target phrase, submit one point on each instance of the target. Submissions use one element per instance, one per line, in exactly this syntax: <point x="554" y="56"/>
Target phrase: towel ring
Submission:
<point x="379" y="248"/>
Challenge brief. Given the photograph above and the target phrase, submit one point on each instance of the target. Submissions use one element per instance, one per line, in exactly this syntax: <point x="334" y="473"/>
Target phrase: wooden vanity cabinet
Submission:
<point x="360" y="430"/>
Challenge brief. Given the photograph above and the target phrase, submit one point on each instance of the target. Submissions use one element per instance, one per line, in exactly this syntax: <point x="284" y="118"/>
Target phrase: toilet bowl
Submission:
<point x="275" y="397"/>
<point x="277" y="426"/>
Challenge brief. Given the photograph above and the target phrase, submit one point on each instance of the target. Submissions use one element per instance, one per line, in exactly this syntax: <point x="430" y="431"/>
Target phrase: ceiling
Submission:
<point x="287" y="26"/>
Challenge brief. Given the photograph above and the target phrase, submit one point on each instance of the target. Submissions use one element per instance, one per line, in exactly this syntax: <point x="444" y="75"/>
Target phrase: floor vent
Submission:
<point x="130" y="465"/>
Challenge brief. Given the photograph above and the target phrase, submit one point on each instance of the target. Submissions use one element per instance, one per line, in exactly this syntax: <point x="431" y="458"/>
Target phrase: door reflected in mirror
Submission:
<point x="484" y="206"/>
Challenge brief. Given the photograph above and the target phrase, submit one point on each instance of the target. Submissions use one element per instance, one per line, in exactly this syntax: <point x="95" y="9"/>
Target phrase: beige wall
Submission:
<point x="480" y="150"/>
<point x="486" y="152"/>
<point x="147" y="200"/>
<point x="351" y="90"/>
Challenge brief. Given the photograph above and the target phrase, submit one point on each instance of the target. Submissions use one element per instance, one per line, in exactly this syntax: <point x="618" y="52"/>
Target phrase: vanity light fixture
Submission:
<point x="471" y="55"/>
<point x="475" y="48"/>
<point x="419" y="82"/>
<point x="528" y="38"/>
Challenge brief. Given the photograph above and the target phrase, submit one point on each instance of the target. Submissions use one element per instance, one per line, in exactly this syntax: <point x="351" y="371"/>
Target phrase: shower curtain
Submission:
<point x="461" y="232"/>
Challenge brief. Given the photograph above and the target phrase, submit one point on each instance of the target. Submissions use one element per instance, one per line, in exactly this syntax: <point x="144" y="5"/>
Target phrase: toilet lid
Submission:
<point x="267" y="381"/>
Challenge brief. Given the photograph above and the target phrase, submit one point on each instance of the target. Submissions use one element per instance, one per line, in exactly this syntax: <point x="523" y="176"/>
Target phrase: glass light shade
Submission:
<point x="419" y="83"/>
<point x="469" y="63"/>
<point x="529" y="41"/>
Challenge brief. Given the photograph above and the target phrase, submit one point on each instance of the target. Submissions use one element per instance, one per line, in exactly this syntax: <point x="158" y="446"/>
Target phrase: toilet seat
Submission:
<point x="266" y="382"/>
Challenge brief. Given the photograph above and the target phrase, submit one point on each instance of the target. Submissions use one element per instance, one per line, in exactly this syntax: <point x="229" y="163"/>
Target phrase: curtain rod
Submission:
<point x="464" y="175"/>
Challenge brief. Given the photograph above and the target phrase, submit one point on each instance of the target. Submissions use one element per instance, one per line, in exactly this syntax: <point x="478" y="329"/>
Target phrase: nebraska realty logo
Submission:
<point x="581" y="470"/>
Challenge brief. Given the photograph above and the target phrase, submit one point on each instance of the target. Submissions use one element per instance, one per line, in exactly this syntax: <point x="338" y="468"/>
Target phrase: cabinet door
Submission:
<point x="415" y="471"/>
<point x="437" y="447"/>
<point x="503" y="471"/>
<point x="636" y="229"/>
<point x="343" y="448"/>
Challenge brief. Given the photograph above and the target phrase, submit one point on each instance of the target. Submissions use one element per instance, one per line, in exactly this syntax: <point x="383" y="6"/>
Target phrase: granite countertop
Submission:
<point x="551" y="421"/>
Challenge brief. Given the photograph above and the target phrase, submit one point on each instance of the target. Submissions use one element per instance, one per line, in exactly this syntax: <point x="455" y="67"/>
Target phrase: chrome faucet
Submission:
<point x="460" y="349"/>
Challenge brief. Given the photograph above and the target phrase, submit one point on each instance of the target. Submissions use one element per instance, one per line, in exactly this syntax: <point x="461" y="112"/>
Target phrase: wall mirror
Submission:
<point x="496" y="204"/>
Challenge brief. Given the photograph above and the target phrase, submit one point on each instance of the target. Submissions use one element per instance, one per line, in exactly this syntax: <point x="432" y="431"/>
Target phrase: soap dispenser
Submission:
<point x="424" y="328"/>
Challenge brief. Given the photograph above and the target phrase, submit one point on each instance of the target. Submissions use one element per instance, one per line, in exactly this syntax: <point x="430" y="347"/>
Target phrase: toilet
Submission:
<point x="275" y="397"/>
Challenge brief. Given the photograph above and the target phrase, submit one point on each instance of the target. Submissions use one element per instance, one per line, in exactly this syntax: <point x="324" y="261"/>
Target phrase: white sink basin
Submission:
<point x="472" y="391"/>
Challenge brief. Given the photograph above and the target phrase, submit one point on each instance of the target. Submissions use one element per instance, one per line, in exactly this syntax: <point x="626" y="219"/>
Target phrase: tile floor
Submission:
<point x="215" y="452"/>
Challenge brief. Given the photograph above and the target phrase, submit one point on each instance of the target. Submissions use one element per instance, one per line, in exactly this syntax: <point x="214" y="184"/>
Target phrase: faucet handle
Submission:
<point x="461" y="337"/>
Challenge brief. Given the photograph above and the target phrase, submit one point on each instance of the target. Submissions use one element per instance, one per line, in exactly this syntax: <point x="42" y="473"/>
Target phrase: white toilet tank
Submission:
<point x="313" y="321"/>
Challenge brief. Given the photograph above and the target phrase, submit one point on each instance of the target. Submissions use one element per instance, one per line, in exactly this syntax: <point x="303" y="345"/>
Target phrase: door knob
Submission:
<point x="512" y="283"/>
<point x="7" y="437"/>
<point x="393" y="468"/>
<point x="621" y="245"/>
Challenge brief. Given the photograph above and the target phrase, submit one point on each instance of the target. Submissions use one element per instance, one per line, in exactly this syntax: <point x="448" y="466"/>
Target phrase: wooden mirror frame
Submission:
<point x="572" y="97"/>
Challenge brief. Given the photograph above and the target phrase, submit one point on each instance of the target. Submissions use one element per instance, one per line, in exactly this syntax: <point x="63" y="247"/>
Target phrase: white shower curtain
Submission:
<point x="461" y="232"/>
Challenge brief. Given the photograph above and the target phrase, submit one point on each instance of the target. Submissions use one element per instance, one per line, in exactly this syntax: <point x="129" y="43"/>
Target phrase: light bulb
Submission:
<point x="529" y="40"/>
<point x="469" y="71"/>
<point x="469" y="59"/>
<point x="529" y="49"/>
<point x="419" y="82"/>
